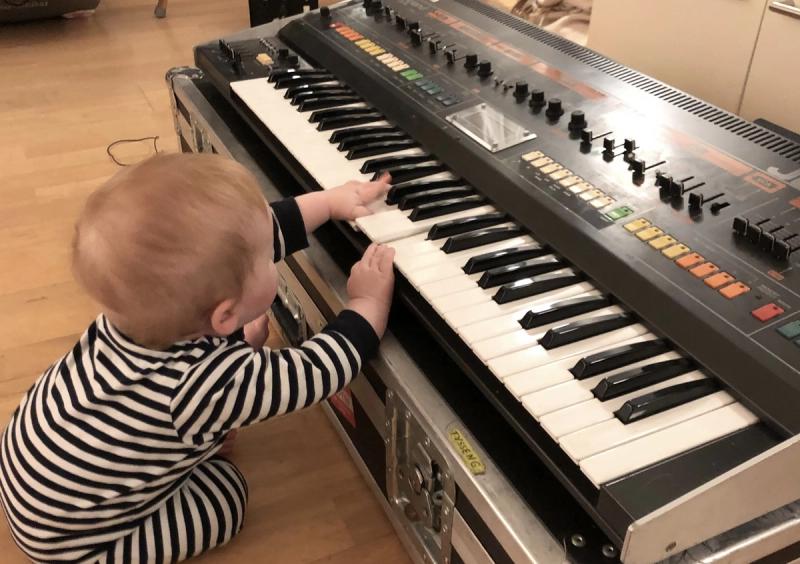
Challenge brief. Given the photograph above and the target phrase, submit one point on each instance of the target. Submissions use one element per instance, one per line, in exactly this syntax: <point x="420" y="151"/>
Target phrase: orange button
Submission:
<point x="704" y="269"/>
<point x="689" y="260"/>
<point x="734" y="290"/>
<point x="718" y="280"/>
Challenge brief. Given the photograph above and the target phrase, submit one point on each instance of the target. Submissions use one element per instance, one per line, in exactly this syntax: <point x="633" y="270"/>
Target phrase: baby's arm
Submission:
<point x="345" y="202"/>
<point x="236" y="386"/>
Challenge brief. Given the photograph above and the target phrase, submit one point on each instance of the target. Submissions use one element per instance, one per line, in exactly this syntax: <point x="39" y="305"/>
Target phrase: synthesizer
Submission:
<point x="611" y="261"/>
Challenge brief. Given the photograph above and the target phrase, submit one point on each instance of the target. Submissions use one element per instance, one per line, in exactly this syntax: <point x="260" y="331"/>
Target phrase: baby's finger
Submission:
<point x="386" y="260"/>
<point x="369" y="253"/>
<point x="375" y="189"/>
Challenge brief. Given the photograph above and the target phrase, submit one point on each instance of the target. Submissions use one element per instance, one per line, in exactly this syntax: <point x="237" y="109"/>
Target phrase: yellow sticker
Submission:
<point x="471" y="459"/>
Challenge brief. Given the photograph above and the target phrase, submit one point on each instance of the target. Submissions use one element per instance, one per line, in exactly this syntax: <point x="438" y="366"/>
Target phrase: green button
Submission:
<point x="790" y="330"/>
<point x="408" y="72"/>
<point x="619" y="213"/>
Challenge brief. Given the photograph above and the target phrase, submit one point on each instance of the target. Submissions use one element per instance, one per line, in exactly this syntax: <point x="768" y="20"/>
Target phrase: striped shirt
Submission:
<point x="111" y="430"/>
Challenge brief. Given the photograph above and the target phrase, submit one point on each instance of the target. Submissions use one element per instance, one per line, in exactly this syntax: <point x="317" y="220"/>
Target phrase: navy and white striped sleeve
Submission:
<point x="236" y="386"/>
<point x="288" y="228"/>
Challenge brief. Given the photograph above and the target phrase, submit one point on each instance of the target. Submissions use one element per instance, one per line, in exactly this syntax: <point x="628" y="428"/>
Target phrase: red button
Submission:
<point x="767" y="312"/>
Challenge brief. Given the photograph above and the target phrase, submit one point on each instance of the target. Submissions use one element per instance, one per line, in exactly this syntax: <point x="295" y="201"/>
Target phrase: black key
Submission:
<point x="297" y="80"/>
<point x="380" y="148"/>
<point x="666" y="398"/>
<point x="481" y="237"/>
<point x="342" y="134"/>
<point x="385" y="163"/>
<point x="564" y="309"/>
<point x="300" y="93"/>
<point x="525" y="269"/>
<point x="640" y="378"/>
<point x="435" y="209"/>
<point x="344" y="121"/>
<point x="354" y="141"/>
<point x="277" y="75"/>
<point x="403" y="189"/>
<point x="584" y="329"/>
<point x="412" y="171"/>
<point x="534" y="286"/>
<point x="413" y="200"/>
<point x="503" y="257"/>
<point x="338" y="112"/>
<point x="618" y="357"/>
<point x="332" y="101"/>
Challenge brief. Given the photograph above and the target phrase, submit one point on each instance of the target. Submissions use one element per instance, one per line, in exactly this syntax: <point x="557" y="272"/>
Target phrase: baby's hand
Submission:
<point x="371" y="284"/>
<point x="257" y="331"/>
<point x="350" y="200"/>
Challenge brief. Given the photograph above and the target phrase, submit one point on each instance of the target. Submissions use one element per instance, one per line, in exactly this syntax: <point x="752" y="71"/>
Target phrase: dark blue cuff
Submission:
<point x="288" y="222"/>
<point x="358" y="331"/>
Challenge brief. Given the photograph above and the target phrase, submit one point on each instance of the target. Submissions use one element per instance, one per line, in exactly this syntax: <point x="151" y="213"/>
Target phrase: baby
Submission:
<point x="111" y="454"/>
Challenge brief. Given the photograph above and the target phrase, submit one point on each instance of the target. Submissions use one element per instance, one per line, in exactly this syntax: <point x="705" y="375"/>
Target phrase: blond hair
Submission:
<point x="160" y="244"/>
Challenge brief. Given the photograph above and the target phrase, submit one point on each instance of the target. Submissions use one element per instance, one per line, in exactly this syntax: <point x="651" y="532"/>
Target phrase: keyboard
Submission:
<point x="632" y="296"/>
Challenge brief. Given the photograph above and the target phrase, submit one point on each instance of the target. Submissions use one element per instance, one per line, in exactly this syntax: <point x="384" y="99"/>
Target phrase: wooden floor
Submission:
<point x="69" y="88"/>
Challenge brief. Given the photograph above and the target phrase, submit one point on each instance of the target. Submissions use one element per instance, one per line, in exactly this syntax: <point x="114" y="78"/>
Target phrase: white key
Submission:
<point x="572" y="391"/>
<point x="517" y="309"/>
<point x="636" y="454"/>
<point x="394" y="224"/>
<point x="480" y="297"/>
<point x="585" y="414"/>
<point x="613" y="432"/>
<point x="501" y="337"/>
<point x="437" y="290"/>
<point x="410" y="262"/>
<point x="532" y="357"/>
<point x="450" y="266"/>
<point x="555" y="373"/>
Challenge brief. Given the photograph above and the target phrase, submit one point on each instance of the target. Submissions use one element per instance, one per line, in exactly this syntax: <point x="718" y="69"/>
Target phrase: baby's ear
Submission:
<point x="224" y="318"/>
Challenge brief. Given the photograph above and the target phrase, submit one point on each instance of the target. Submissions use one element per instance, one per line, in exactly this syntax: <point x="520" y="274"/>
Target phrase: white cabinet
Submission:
<point x="701" y="46"/>
<point x="773" y="85"/>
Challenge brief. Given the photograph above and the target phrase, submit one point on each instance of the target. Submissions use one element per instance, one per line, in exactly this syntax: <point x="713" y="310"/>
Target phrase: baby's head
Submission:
<point x="176" y="247"/>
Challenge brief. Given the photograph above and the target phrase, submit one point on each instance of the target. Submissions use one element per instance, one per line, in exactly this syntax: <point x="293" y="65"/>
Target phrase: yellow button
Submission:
<point x="580" y="187"/>
<point x="375" y="51"/>
<point x="661" y="242"/>
<point x="569" y="181"/>
<point x="704" y="269"/>
<point x="602" y="202"/>
<point x="718" y="280"/>
<point x="538" y="163"/>
<point x="675" y="251"/>
<point x="734" y="290"/>
<point x="559" y="174"/>
<point x="592" y="194"/>
<point x="551" y="168"/>
<point x="264" y="59"/>
<point x="649" y="233"/>
<point x="532" y="156"/>
<point x="689" y="260"/>
<point x="385" y="56"/>
<point x="637" y="224"/>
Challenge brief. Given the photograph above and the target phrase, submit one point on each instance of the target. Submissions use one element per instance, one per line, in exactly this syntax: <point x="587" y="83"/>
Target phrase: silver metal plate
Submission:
<point x="490" y="127"/>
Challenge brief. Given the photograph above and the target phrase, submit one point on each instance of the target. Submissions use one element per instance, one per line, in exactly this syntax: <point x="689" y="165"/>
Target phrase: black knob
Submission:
<point x="375" y="7"/>
<point x="577" y="121"/>
<point x="325" y="13"/>
<point x="399" y="21"/>
<point x="638" y="166"/>
<point x="554" y="109"/>
<point x="609" y="144"/>
<point x="471" y="61"/>
<point x="292" y="60"/>
<point x="387" y="11"/>
<point x="416" y="37"/>
<point x="412" y="26"/>
<point x="433" y="46"/>
<point x="537" y="98"/>
<point x="283" y="53"/>
<point x="630" y="145"/>
<point x="520" y="91"/>
<point x="587" y="136"/>
<point x="484" y="69"/>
